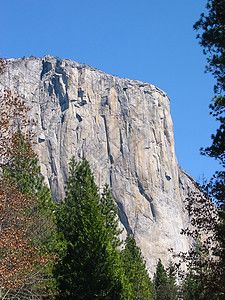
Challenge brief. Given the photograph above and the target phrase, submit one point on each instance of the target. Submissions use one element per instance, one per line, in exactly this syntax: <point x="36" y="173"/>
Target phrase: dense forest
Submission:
<point x="73" y="249"/>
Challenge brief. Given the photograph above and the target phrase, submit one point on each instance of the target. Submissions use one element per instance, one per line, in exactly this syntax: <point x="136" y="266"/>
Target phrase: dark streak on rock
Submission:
<point x="141" y="190"/>
<point x="107" y="140"/>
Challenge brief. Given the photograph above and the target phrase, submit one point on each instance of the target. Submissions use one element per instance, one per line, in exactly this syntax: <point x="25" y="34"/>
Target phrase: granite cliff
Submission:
<point x="124" y="128"/>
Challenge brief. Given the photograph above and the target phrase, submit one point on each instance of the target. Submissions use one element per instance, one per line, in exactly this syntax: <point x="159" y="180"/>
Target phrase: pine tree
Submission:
<point x="165" y="285"/>
<point x="26" y="259"/>
<point x="171" y="275"/>
<point x="109" y="213"/>
<point x="191" y="287"/>
<point x="90" y="265"/>
<point x="22" y="170"/>
<point x="211" y="34"/>
<point x="140" y="284"/>
<point x="206" y="262"/>
<point x="161" y="281"/>
<point x="203" y="266"/>
<point x="23" y="173"/>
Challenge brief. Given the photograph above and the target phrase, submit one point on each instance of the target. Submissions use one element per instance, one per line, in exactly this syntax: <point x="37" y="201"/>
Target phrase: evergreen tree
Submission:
<point x="161" y="282"/>
<point x="165" y="285"/>
<point x="211" y="34"/>
<point x="109" y="213"/>
<point x="202" y="259"/>
<point x="191" y="287"/>
<point x="171" y="274"/>
<point x="22" y="170"/>
<point x="26" y="258"/>
<point x="89" y="267"/>
<point x="140" y="285"/>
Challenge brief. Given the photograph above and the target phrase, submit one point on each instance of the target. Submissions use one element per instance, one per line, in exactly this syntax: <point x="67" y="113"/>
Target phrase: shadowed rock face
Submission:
<point x="124" y="128"/>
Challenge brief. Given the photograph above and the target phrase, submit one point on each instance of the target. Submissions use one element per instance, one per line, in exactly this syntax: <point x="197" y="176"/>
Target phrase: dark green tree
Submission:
<point x="203" y="260"/>
<point x="165" y="284"/>
<point x="171" y="274"/>
<point x="22" y="167"/>
<point x="108" y="211"/>
<point x="161" y="281"/>
<point x="26" y="258"/>
<point x="23" y="171"/>
<point x="211" y="34"/>
<point x="140" y="285"/>
<point x="191" y="287"/>
<point x="89" y="267"/>
<point x="211" y="28"/>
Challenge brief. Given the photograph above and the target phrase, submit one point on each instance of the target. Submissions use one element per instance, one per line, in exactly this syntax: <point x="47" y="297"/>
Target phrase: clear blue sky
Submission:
<point x="148" y="40"/>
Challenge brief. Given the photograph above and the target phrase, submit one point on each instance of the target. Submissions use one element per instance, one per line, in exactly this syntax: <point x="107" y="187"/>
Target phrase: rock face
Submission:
<point x="124" y="128"/>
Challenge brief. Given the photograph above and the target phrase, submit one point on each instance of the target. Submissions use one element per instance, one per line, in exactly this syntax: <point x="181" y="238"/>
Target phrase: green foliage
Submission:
<point x="160" y="275"/>
<point x="109" y="213"/>
<point x="90" y="266"/>
<point x="140" y="284"/>
<point x="161" y="281"/>
<point x="194" y="288"/>
<point x="204" y="260"/>
<point x="165" y="285"/>
<point x="211" y="28"/>
<point x="173" y="288"/>
<point x="195" y="280"/>
<point x="211" y="33"/>
<point x="212" y="37"/>
<point x="23" y="171"/>
<point x="190" y="289"/>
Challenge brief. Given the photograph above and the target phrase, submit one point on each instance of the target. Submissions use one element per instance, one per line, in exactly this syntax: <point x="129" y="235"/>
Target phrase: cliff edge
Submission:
<point x="124" y="129"/>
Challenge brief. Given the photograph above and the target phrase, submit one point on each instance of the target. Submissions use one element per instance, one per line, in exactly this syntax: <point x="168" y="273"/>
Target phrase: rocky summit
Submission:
<point x="124" y="129"/>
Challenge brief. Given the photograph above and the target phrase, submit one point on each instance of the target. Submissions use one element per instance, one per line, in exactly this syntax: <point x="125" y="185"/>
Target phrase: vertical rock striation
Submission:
<point x="124" y="128"/>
